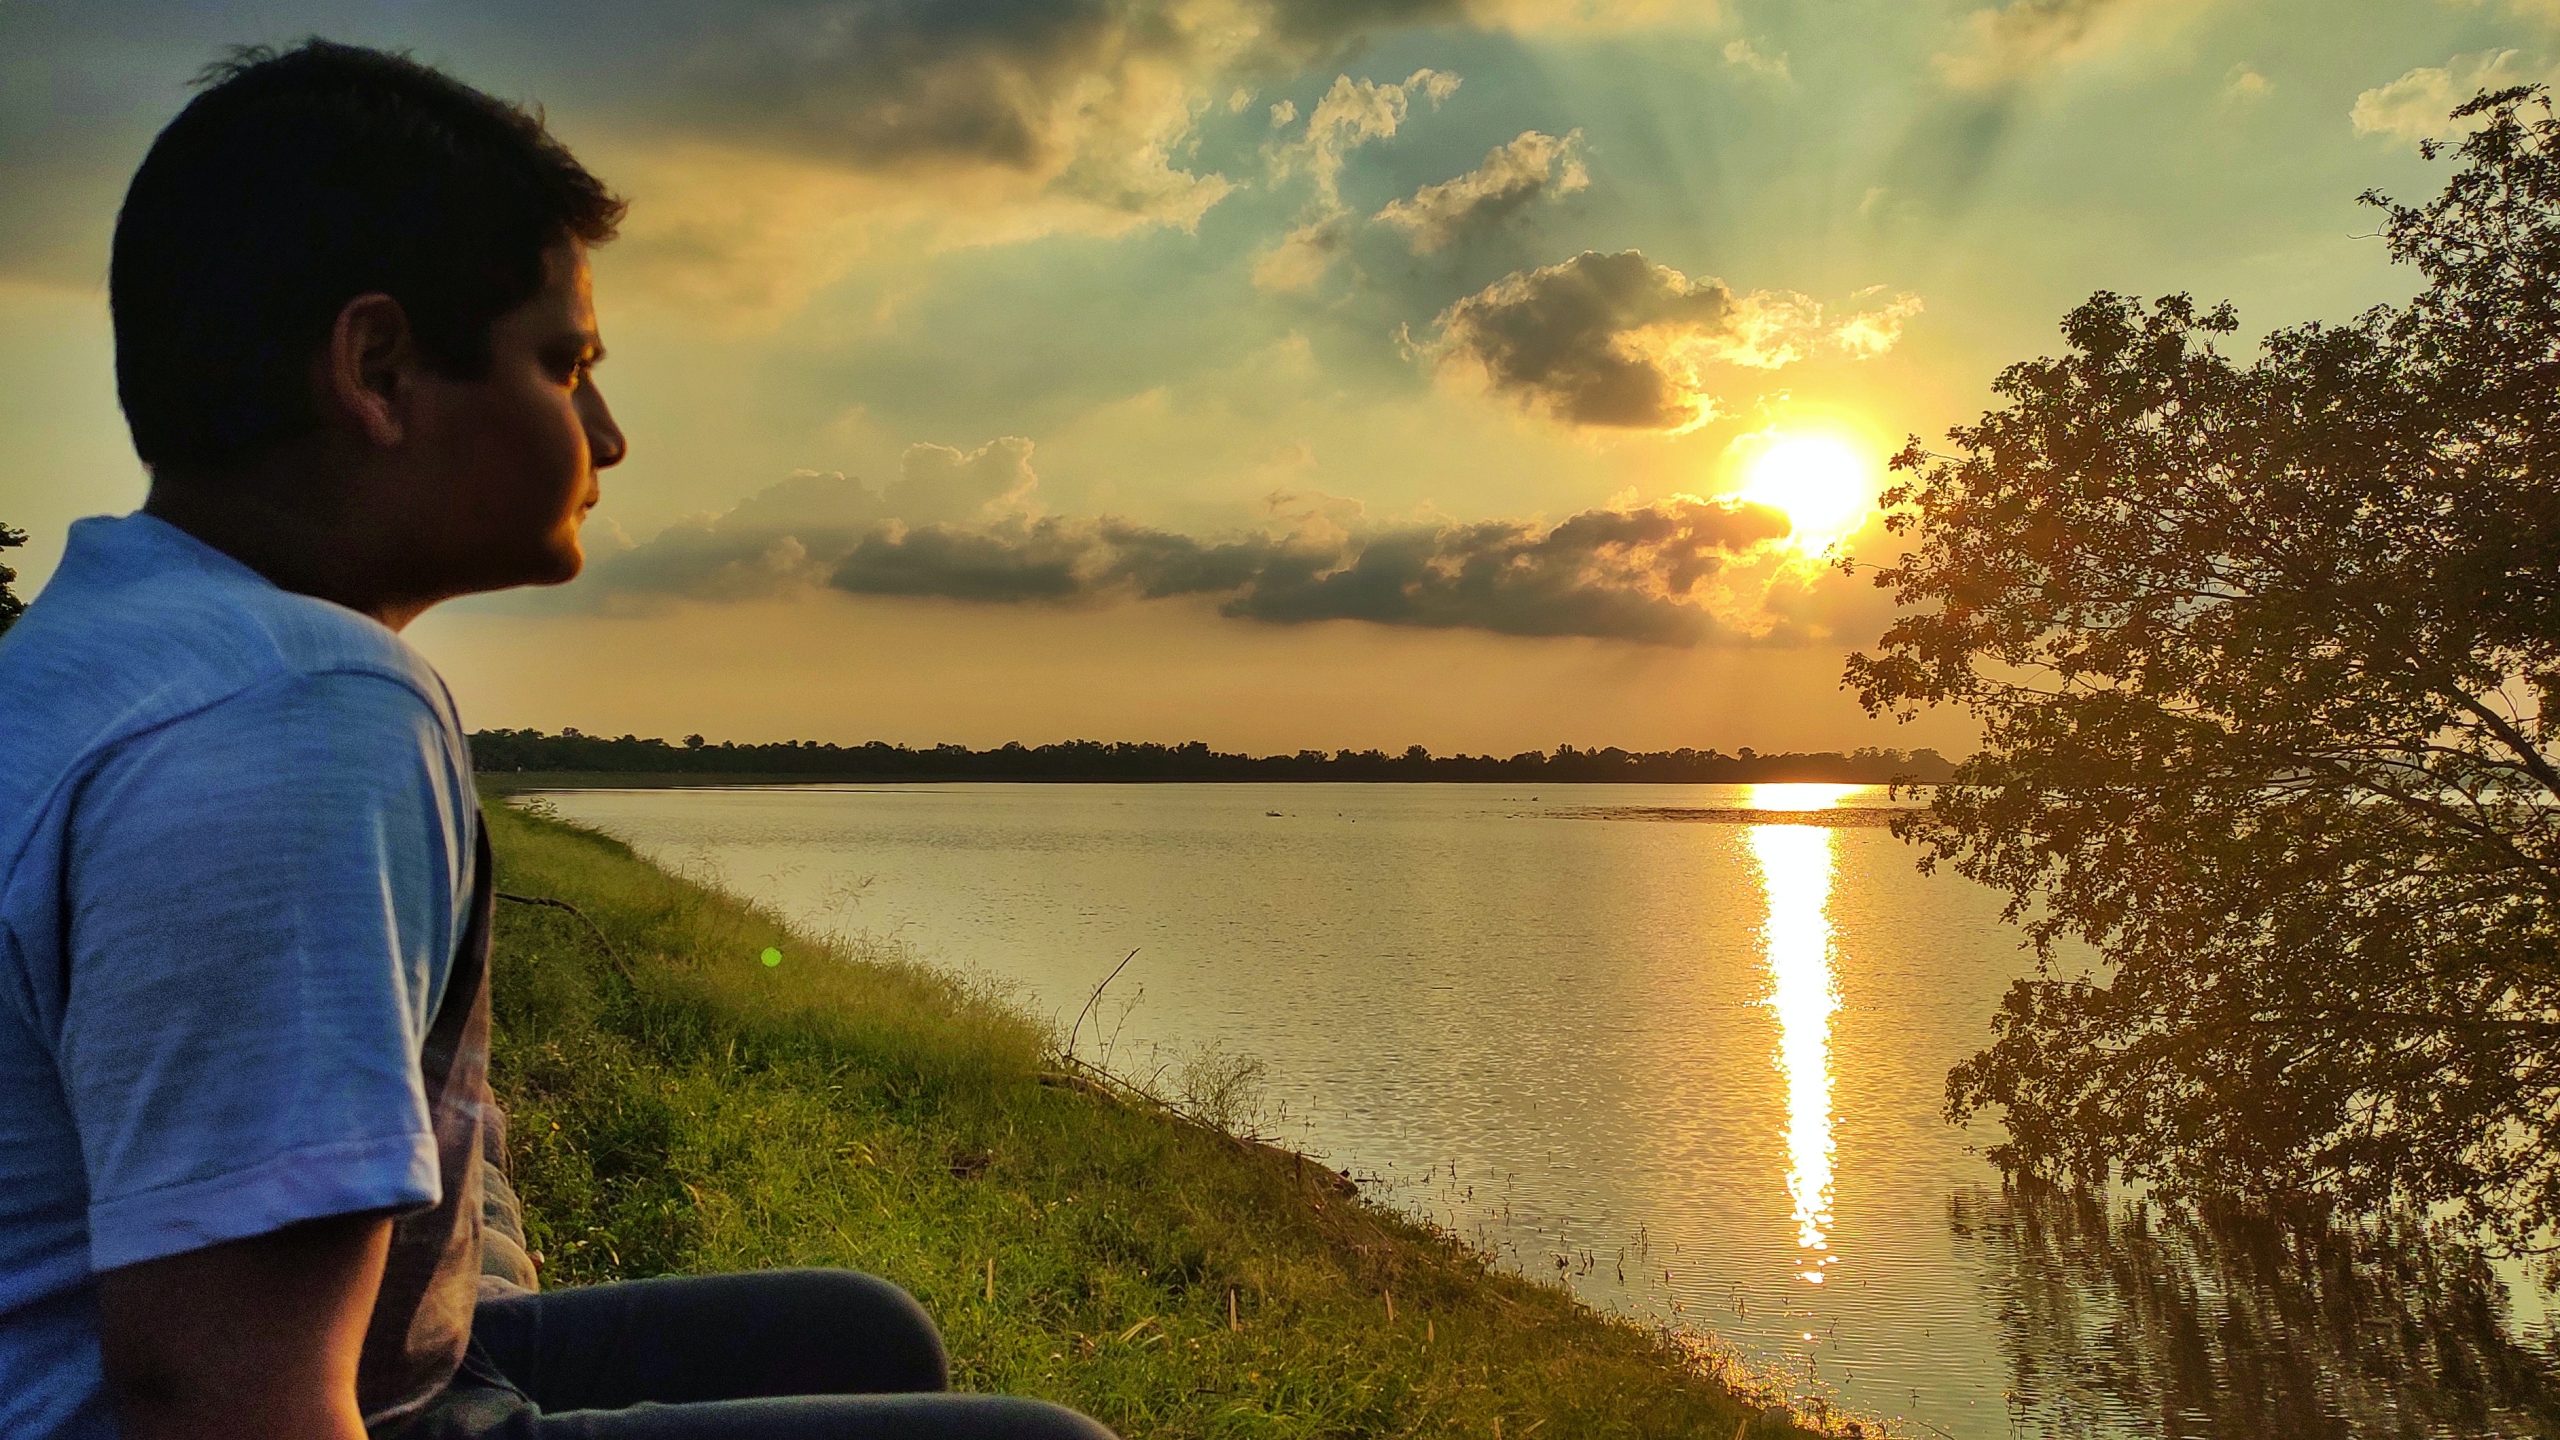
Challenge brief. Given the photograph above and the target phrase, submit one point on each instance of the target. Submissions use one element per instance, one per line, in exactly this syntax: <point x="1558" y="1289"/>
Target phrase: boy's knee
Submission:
<point x="898" y="1335"/>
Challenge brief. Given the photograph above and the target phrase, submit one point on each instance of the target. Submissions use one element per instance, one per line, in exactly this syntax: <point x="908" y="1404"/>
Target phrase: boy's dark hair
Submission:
<point x="295" y="182"/>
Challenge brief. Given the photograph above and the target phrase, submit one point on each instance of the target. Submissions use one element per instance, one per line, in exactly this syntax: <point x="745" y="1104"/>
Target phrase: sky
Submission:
<point x="1482" y="374"/>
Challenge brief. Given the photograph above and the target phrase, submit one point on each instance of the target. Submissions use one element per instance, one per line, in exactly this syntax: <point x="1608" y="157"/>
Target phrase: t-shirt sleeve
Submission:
<point x="263" y="900"/>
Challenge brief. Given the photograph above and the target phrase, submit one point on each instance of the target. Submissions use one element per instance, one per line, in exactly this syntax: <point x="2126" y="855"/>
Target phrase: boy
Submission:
<point x="244" y="887"/>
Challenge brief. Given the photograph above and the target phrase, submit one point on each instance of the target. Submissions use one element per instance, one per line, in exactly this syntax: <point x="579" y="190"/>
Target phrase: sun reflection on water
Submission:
<point x="1795" y="871"/>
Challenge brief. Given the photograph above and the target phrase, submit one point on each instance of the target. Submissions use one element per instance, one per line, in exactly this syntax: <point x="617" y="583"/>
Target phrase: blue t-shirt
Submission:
<point x="238" y="851"/>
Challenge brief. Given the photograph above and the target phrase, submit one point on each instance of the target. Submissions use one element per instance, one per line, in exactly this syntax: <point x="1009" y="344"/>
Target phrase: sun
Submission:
<point x="1820" y="482"/>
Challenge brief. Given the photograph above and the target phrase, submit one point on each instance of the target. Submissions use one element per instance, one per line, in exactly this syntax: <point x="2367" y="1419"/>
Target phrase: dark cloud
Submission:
<point x="890" y="83"/>
<point x="1052" y="558"/>
<point x="1160" y="564"/>
<point x="1040" y="561"/>
<point x="791" y="535"/>
<point x="887" y="82"/>
<point x="705" y="560"/>
<point x="1318" y="29"/>
<point x="897" y="81"/>
<point x="1064" y="100"/>
<point x="1596" y="340"/>
<point x="1639" y="573"/>
<point x="1617" y="340"/>
<point x="1513" y="176"/>
<point x="1305" y="31"/>
<point x="1003" y="119"/>
<point x="1089" y="101"/>
<point x="1606" y="574"/>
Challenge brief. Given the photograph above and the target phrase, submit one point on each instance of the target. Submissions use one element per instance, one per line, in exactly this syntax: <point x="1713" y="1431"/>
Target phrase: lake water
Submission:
<point x="1682" y="1048"/>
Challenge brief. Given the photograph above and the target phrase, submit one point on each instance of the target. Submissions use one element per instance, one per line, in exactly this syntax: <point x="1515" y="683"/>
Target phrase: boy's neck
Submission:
<point x="296" y="548"/>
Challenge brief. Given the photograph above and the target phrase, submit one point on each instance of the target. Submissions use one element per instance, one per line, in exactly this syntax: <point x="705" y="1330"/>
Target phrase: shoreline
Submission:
<point x="512" y="782"/>
<point x="678" y="1107"/>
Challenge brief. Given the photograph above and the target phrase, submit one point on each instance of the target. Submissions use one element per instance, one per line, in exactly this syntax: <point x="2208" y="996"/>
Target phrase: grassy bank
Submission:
<point x="678" y="1106"/>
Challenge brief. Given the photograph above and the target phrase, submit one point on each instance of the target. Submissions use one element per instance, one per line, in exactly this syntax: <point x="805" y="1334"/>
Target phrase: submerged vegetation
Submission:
<point x="677" y="1105"/>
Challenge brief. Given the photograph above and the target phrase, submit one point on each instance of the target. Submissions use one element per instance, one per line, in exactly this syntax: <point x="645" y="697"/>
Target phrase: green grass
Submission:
<point x="686" y="1109"/>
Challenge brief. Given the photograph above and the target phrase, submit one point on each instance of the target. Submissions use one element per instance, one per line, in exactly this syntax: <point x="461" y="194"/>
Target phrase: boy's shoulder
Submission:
<point x="143" y="626"/>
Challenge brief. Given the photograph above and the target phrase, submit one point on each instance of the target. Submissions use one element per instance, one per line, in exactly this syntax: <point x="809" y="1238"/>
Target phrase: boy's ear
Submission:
<point x="365" y="368"/>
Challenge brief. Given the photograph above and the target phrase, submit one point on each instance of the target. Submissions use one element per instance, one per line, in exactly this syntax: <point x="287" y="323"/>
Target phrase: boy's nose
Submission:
<point x="604" y="438"/>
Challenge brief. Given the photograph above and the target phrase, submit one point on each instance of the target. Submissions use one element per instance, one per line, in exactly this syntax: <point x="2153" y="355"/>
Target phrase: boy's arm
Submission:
<point x="251" y="1339"/>
<point x="262" y="901"/>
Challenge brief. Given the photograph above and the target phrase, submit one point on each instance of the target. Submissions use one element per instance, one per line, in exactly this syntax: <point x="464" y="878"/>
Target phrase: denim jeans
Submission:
<point x="769" y="1355"/>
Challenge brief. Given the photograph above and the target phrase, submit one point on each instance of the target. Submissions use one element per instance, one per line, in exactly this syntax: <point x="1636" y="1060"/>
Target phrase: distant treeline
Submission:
<point x="507" y="750"/>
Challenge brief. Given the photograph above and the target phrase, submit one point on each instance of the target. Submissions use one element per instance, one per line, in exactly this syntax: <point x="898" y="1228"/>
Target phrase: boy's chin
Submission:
<point x="557" y="563"/>
<point x="566" y="561"/>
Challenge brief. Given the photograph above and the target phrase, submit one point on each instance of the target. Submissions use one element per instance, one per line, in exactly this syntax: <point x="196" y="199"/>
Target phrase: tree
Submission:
<point x="11" y="607"/>
<point x="2266" y="657"/>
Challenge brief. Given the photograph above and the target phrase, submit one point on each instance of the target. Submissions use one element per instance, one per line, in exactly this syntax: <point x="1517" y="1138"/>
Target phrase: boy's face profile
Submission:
<point x="507" y="463"/>
<point x="497" y="472"/>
